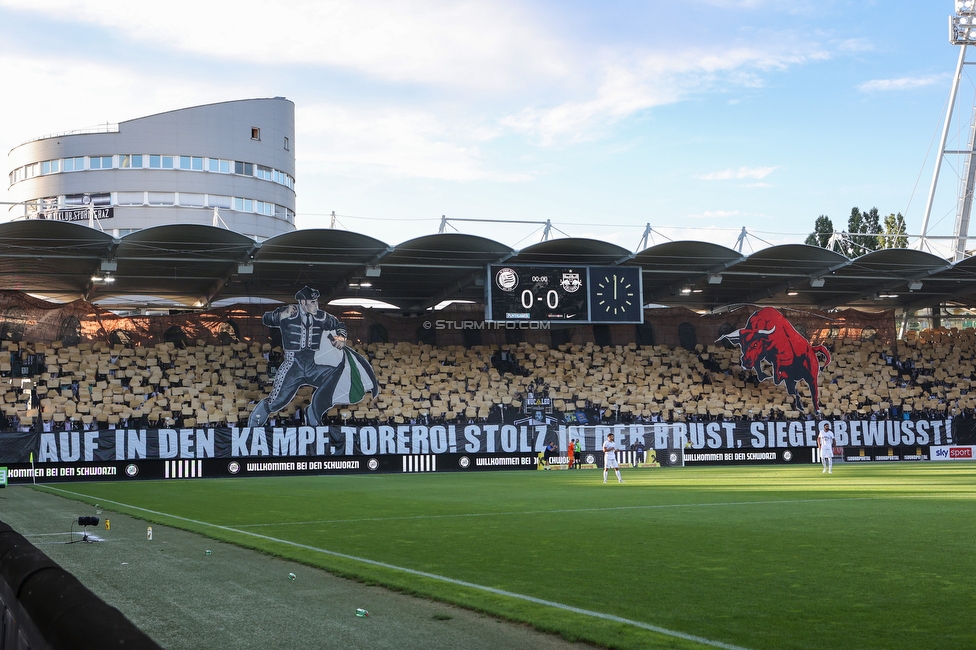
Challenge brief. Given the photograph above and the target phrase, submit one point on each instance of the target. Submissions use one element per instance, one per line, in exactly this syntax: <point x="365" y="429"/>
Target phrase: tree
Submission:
<point x="862" y="235"/>
<point x="897" y="234"/>
<point x="823" y="230"/>
<point x="863" y="229"/>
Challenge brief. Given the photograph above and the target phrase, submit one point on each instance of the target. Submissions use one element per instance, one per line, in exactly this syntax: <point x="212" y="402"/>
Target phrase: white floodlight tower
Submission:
<point x="962" y="32"/>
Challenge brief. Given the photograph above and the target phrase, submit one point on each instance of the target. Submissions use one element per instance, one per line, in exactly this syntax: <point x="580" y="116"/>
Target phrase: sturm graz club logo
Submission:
<point x="373" y="464"/>
<point x="787" y="455"/>
<point x="233" y="467"/>
<point x="673" y="457"/>
<point x="131" y="470"/>
<point x="506" y="279"/>
<point x="590" y="459"/>
<point x="464" y="462"/>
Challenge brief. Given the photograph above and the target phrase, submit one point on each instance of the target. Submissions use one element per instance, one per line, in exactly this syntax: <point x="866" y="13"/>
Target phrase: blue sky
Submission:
<point x="696" y="116"/>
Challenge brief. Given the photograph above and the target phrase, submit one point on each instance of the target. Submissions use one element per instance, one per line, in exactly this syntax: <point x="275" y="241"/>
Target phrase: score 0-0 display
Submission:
<point x="581" y="294"/>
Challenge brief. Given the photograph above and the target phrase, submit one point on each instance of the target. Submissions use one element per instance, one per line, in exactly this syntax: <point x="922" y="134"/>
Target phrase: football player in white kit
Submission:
<point x="825" y="441"/>
<point x="610" y="458"/>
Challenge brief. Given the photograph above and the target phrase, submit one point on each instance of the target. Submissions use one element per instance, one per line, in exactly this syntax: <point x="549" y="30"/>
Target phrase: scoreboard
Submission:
<point x="583" y="294"/>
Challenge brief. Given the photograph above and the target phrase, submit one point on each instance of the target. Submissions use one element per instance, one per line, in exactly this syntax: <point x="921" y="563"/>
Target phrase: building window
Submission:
<point x="263" y="173"/>
<point x="287" y="145"/>
<point x="50" y="166"/>
<point x="160" y="162"/>
<point x="243" y="205"/>
<point x="217" y="165"/>
<point x="281" y="212"/>
<point x="100" y="162"/>
<point x="245" y="168"/>
<point x="74" y="164"/>
<point x="131" y="198"/>
<point x="194" y="163"/>
<point x="162" y="198"/>
<point x="255" y="133"/>
<point x="216" y="201"/>
<point x="130" y="161"/>
<point x="46" y="206"/>
<point x="192" y="200"/>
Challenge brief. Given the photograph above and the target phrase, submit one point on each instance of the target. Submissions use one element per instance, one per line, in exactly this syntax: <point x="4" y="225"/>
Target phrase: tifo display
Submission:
<point x="315" y="405"/>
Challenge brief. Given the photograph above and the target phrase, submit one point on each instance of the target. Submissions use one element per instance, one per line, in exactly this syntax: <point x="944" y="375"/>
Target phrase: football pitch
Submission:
<point x="872" y="556"/>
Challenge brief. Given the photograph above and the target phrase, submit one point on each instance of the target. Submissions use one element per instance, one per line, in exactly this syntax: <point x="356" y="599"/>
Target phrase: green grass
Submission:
<point x="874" y="556"/>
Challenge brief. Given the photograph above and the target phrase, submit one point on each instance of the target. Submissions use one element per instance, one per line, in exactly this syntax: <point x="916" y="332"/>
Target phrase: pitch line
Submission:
<point x="555" y="512"/>
<point x="432" y="576"/>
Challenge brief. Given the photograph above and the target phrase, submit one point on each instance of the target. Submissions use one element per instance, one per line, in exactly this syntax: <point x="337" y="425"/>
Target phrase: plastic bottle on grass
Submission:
<point x="362" y="613"/>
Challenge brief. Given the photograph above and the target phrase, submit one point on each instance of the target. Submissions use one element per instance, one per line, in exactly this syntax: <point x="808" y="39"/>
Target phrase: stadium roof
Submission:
<point x="193" y="266"/>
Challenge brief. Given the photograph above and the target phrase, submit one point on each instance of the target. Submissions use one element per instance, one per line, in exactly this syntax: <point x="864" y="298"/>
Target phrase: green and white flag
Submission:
<point x="349" y="384"/>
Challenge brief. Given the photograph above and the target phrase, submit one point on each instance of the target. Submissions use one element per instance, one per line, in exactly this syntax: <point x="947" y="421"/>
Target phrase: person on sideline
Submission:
<point x="610" y="458"/>
<point x="577" y="453"/>
<point x="639" y="452"/>
<point x="825" y="441"/>
<point x="570" y="455"/>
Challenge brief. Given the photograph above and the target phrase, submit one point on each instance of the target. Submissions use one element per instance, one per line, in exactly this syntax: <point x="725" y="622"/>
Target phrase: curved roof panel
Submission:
<point x="672" y="266"/>
<point x="321" y="258"/>
<point x="55" y="257"/>
<point x="575" y="250"/>
<point x="879" y="275"/>
<point x="426" y="270"/>
<point x="186" y="263"/>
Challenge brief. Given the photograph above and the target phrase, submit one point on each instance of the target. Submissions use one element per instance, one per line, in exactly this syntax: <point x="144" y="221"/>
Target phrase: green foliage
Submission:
<point x="863" y="229"/>
<point x="894" y="227"/>
<point x="823" y="230"/>
<point x="873" y="556"/>
<point x="862" y="234"/>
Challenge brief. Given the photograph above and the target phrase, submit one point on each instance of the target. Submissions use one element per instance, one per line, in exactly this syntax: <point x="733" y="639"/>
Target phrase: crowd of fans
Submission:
<point x="55" y="388"/>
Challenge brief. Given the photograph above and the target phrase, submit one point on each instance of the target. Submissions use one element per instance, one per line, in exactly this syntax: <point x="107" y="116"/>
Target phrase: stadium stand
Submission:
<point x="101" y="386"/>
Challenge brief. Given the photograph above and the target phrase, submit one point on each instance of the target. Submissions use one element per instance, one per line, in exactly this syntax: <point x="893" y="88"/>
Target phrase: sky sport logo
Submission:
<point x="953" y="453"/>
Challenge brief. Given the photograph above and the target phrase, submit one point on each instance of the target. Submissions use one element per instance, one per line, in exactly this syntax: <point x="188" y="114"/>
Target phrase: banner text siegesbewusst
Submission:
<point x="307" y="441"/>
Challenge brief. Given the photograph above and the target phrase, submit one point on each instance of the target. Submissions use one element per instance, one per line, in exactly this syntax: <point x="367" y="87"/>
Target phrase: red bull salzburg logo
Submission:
<point x="768" y="337"/>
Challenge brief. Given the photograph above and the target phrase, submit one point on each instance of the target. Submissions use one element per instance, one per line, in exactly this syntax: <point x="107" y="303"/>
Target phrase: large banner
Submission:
<point x="315" y="354"/>
<point x="770" y="342"/>
<point x="332" y="441"/>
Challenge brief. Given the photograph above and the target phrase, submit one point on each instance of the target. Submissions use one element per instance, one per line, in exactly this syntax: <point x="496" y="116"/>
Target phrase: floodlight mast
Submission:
<point x="962" y="32"/>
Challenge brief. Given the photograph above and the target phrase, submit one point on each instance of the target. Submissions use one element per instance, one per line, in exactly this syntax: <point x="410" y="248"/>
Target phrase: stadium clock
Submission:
<point x="615" y="295"/>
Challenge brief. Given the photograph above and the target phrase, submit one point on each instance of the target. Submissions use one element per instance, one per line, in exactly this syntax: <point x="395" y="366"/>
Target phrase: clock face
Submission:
<point x="616" y="295"/>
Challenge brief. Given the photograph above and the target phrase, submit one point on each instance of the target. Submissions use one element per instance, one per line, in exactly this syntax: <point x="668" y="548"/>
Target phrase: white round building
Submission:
<point x="236" y="157"/>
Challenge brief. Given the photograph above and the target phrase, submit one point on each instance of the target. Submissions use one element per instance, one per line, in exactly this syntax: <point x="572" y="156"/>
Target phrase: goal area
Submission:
<point x="637" y="445"/>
